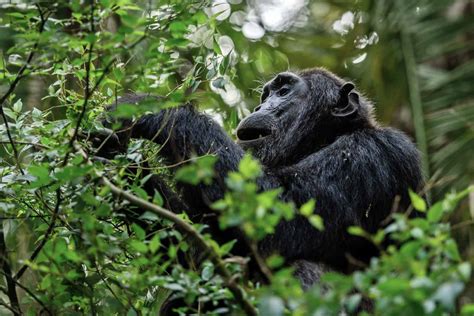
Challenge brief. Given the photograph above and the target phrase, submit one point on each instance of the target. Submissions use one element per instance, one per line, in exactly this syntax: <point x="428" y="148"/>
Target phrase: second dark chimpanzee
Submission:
<point x="315" y="137"/>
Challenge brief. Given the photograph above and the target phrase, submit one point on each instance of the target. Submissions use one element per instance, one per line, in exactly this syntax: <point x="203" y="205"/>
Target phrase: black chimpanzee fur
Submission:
<point x="316" y="138"/>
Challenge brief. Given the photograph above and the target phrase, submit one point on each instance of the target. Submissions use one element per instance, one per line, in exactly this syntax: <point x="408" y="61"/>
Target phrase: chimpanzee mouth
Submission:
<point x="252" y="134"/>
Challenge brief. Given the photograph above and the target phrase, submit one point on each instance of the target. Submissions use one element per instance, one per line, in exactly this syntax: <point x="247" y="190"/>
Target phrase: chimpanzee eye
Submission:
<point x="283" y="91"/>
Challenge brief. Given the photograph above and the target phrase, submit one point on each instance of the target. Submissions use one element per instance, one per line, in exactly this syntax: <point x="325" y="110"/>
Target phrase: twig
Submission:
<point x="188" y="229"/>
<point x="87" y="90"/>
<point x="462" y="224"/>
<point x="261" y="264"/>
<point x="5" y="266"/>
<point x="2" y="303"/>
<point x="13" y="218"/>
<point x="25" y="143"/>
<point x="33" y="296"/>
<point x="89" y="93"/>
<point x="185" y="227"/>
<point x="43" y="242"/>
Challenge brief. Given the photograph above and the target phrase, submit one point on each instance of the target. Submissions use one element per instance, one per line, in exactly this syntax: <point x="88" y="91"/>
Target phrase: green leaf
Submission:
<point x="316" y="221"/>
<point x="125" y="111"/>
<point x="41" y="173"/>
<point x="227" y="247"/>
<point x="394" y="286"/>
<point x="219" y="83"/>
<point x="149" y="216"/>
<point x="187" y="174"/>
<point x="155" y="243"/>
<point x="452" y="250"/>
<point x="17" y="106"/>
<point x="207" y="272"/>
<point x="465" y="270"/>
<point x="158" y="199"/>
<point x="308" y="208"/>
<point x="249" y="167"/>
<point x="200" y="170"/>
<point x="140" y="192"/>
<point x="435" y="213"/>
<point x="131" y="312"/>
<point x="447" y="293"/>
<point x="139" y="246"/>
<point x="417" y="202"/>
<point x="139" y="232"/>
<point x="467" y="310"/>
<point x="271" y="305"/>
<point x="357" y="231"/>
<point x="353" y="301"/>
<point x="275" y="261"/>
<point x="71" y="173"/>
<point x="103" y="210"/>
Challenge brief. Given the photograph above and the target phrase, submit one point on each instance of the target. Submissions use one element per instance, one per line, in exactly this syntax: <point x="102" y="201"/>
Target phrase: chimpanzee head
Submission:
<point x="300" y="113"/>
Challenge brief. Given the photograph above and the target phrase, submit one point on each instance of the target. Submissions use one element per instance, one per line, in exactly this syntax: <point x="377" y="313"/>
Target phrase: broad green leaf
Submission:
<point x="435" y="213"/>
<point x="417" y="202"/>
<point x="139" y="246"/>
<point x="17" y="106"/>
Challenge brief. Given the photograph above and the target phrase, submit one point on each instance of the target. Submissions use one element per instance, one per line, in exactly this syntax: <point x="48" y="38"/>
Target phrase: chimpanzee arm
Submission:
<point x="184" y="132"/>
<point x="354" y="182"/>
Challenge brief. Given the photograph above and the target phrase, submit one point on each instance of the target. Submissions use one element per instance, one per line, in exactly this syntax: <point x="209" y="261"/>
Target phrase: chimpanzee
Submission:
<point x="316" y="138"/>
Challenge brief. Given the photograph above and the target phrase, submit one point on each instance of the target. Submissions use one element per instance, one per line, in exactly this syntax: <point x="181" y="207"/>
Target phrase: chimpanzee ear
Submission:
<point x="348" y="102"/>
<point x="346" y="88"/>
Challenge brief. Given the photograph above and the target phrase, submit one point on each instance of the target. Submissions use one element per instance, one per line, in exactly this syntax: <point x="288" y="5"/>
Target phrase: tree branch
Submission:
<point x="185" y="227"/>
<point x="5" y="266"/>
<point x="87" y="90"/>
<point x="33" y="296"/>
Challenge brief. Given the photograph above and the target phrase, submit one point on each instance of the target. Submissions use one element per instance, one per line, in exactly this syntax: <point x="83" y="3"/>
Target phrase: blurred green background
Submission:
<point x="414" y="59"/>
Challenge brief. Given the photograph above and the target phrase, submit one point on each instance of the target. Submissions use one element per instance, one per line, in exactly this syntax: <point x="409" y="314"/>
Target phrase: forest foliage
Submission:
<point x="65" y="245"/>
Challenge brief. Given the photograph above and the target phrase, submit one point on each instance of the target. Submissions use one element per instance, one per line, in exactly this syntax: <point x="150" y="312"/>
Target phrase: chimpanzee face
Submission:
<point x="297" y="109"/>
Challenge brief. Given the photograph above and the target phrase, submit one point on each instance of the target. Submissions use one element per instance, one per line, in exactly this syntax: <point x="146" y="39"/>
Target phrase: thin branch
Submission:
<point x="188" y="229"/>
<point x="462" y="224"/>
<point x="33" y="296"/>
<point x="112" y="61"/>
<point x="5" y="266"/>
<point x="2" y="303"/>
<point x="43" y="242"/>
<point x="261" y="264"/>
<point x="87" y="90"/>
<point x="25" y="143"/>
<point x="19" y="217"/>
<point x="185" y="227"/>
